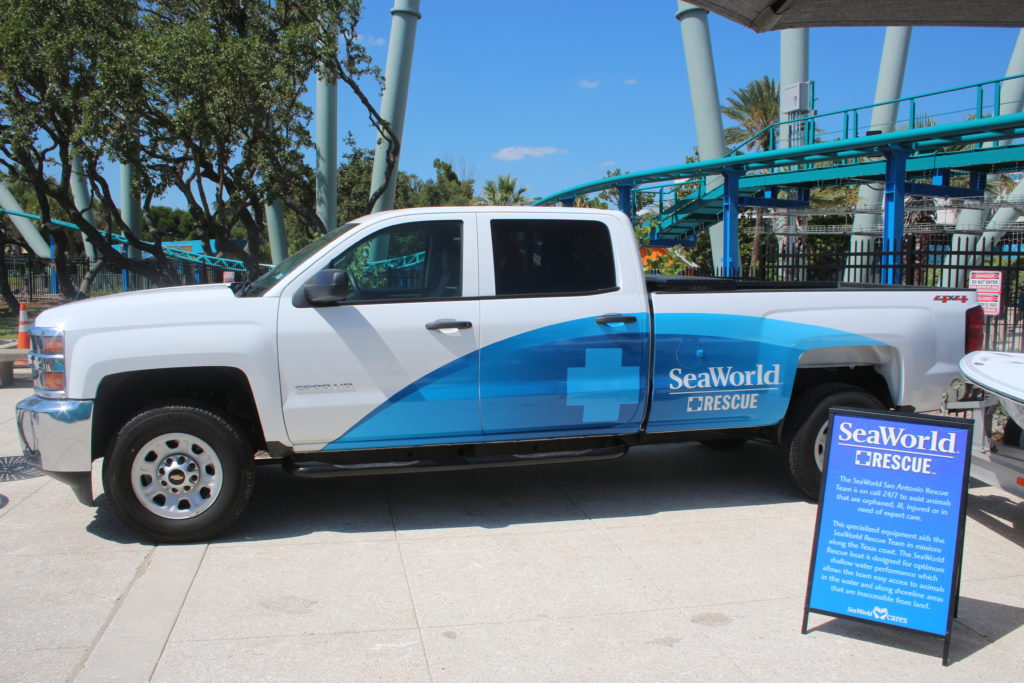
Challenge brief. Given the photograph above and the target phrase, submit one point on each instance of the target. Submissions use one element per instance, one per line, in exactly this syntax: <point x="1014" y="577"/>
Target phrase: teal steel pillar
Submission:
<point x="794" y="48"/>
<point x="275" y="231"/>
<point x="404" y="17"/>
<point x="327" y="152"/>
<point x="83" y="202"/>
<point x="893" y="214"/>
<point x="131" y="210"/>
<point x="883" y="118"/>
<point x="707" y="112"/>
<point x="971" y="222"/>
<point x="1011" y="96"/>
<point x="24" y="226"/>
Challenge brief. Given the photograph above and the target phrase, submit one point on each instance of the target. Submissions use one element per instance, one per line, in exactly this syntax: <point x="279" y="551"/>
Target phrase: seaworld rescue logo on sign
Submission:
<point x="724" y="388"/>
<point x="895" y="448"/>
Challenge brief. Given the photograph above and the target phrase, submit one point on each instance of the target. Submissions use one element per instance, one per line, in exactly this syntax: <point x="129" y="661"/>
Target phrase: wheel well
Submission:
<point x="864" y="376"/>
<point x="222" y="388"/>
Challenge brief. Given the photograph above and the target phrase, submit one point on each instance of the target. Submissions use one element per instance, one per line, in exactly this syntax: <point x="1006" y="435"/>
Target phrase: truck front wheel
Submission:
<point x="178" y="473"/>
<point x="805" y="435"/>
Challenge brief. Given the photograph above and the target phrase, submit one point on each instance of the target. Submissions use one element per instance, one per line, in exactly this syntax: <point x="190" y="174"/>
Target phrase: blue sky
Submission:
<point x="570" y="88"/>
<point x="585" y="86"/>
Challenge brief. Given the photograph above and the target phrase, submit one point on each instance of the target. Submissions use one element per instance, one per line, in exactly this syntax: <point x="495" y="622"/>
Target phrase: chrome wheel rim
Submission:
<point x="176" y="476"/>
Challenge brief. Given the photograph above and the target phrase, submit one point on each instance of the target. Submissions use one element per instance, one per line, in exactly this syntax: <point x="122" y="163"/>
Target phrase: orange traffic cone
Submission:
<point x="23" y="333"/>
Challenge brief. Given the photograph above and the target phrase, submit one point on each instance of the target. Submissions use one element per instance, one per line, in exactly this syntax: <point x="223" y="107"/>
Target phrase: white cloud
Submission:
<point x="371" y="40"/>
<point x="630" y="81"/>
<point x="606" y="164"/>
<point x="584" y="83"/>
<point x="517" y="153"/>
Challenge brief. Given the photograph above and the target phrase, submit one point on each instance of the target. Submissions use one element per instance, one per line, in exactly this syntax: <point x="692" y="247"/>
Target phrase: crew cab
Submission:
<point x="454" y="338"/>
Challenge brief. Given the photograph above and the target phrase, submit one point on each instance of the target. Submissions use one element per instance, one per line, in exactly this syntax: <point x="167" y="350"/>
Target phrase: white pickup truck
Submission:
<point x="454" y="338"/>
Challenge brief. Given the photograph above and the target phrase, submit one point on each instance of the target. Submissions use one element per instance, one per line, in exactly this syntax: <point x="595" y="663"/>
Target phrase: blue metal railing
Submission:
<point x="204" y="259"/>
<point x="851" y="126"/>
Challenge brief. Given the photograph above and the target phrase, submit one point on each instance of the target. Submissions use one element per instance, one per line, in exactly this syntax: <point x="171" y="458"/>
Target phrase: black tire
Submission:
<point x="178" y="473"/>
<point x="1012" y="434"/>
<point x="805" y="433"/>
<point x="723" y="444"/>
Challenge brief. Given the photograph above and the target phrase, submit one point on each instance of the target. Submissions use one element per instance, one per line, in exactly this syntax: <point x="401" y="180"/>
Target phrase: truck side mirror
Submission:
<point x="329" y="287"/>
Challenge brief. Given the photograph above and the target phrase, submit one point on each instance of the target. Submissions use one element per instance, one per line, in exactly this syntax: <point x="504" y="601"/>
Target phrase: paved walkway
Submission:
<point x="675" y="563"/>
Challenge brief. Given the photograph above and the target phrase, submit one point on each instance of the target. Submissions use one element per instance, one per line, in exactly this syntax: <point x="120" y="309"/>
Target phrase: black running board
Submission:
<point x="319" y="469"/>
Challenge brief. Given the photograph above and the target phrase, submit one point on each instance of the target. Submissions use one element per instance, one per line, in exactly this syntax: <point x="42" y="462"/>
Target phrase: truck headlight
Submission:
<point x="47" y="356"/>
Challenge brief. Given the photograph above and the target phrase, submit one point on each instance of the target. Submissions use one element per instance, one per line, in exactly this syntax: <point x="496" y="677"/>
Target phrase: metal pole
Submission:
<point x="893" y="214"/>
<point x="327" y="152"/>
<point x="625" y="192"/>
<point x="404" y="16"/>
<point x="275" y="229"/>
<point x="707" y="112"/>
<point x="131" y="210"/>
<point x="883" y="118"/>
<point x="83" y="202"/>
<point x="25" y="227"/>
<point x="794" y="49"/>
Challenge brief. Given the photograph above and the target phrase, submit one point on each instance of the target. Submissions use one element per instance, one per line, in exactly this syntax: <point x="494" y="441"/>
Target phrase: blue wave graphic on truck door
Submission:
<point x="573" y="378"/>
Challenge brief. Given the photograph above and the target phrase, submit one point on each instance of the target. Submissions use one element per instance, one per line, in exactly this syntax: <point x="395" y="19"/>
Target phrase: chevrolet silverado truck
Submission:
<point x="459" y="338"/>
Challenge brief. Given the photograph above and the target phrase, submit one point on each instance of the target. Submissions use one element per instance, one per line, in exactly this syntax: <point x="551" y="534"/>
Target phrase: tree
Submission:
<point x="754" y="108"/>
<point x="202" y="96"/>
<point x="445" y="189"/>
<point x="505" y="191"/>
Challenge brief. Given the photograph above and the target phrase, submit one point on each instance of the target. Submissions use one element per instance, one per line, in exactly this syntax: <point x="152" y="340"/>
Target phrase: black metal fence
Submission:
<point x="34" y="279"/>
<point x="997" y="274"/>
<point x="932" y="262"/>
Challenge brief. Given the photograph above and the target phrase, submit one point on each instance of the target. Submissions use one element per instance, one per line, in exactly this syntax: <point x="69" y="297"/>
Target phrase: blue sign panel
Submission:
<point x="890" y="519"/>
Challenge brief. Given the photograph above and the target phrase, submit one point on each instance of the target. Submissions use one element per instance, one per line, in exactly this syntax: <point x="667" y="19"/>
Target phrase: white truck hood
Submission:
<point x="170" y="305"/>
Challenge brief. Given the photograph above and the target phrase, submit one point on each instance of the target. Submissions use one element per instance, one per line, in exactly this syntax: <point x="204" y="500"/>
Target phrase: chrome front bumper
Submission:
<point x="56" y="437"/>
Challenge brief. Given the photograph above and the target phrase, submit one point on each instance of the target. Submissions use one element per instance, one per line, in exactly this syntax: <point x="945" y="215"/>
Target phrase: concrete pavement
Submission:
<point x="674" y="563"/>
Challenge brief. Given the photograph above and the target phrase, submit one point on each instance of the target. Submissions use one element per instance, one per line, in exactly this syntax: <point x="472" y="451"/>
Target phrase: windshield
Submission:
<point x="275" y="274"/>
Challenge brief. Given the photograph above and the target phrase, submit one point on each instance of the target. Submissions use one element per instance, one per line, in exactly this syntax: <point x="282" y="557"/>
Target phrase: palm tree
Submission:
<point x="754" y="107"/>
<point x="505" y="191"/>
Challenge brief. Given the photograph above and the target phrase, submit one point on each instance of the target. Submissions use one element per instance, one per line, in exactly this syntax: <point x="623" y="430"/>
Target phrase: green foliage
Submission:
<point x="505" y="191"/>
<point x="753" y="107"/>
<point x="200" y="95"/>
<point x="445" y="189"/>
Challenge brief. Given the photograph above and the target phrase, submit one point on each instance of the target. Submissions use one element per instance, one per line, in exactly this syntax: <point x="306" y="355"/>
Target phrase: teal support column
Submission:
<point x="707" y="112"/>
<point x="275" y="231"/>
<point x="35" y="241"/>
<point x="883" y="118"/>
<point x="794" y="49"/>
<point x="131" y="210"/>
<point x="327" y="152"/>
<point x="1011" y="96"/>
<point x="730" y="263"/>
<point x="83" y="202"/>
<point x="404" y="17"/>
<point x="893" y="214"/>
<point x="972" y="232"/>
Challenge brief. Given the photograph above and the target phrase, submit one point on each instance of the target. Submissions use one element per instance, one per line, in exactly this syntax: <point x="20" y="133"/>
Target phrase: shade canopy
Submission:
<point x="773" y="15"/>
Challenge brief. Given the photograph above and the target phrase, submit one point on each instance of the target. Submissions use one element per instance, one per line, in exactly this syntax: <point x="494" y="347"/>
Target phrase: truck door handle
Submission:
<point x="612" y="318"/>
<point x="449" y="325"/>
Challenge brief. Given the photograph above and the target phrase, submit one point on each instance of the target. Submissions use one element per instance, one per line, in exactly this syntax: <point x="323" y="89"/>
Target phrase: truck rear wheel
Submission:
<point x="805" y="436"/>
<point x="178" y="473"/>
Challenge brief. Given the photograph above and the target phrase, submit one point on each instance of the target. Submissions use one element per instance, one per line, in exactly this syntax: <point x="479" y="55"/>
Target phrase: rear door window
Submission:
<point x="551" y="257"/>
